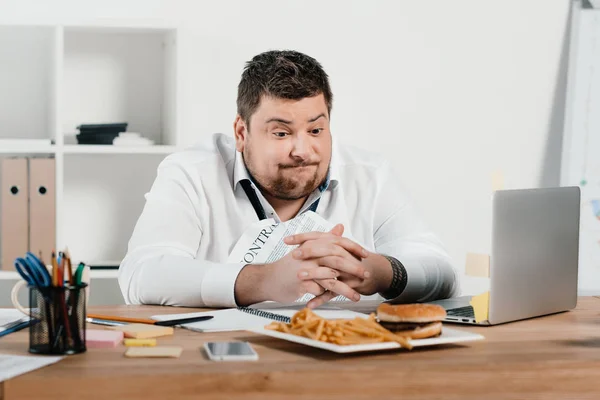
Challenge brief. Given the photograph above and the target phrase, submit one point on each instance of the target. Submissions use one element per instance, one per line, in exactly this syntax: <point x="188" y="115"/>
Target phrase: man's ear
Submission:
<point x="240" y="132"/>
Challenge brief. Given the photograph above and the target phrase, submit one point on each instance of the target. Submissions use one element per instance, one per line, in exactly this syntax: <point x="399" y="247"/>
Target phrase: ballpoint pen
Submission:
<point x="104" y="322"/>
<point x="17" y="326"/>
<point x="106" y="319"/>
<point x="182" y="321"/>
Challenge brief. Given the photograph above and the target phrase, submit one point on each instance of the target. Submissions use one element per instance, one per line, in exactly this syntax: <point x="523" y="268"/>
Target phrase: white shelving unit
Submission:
<point x="58" y="77"/>
<point x="100" y="149"/>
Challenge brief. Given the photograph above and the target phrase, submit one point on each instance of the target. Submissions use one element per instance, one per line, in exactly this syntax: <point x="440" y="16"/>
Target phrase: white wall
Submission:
<point x="28" y="56"/>
<point x="451" y="90"/>
<point x="113" y="77"/>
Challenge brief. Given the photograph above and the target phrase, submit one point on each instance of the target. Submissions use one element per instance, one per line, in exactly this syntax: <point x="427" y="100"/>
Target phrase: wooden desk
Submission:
<point x="553" y="357"/>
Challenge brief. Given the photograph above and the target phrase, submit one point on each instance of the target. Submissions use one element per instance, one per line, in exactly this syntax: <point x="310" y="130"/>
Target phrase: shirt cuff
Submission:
<point x="218" y="285"/>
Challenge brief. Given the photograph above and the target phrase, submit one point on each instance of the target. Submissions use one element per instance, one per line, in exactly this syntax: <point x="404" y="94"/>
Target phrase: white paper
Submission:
<point x="233" y="319"/>
<point x="9" y="315"/>
<point x="262" y="243"/>
<point x="367" y="305"/>
<point x="11" y="366"/>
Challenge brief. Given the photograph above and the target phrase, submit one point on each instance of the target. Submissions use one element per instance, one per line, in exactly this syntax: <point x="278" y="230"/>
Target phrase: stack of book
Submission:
<point x="100" y="133"/>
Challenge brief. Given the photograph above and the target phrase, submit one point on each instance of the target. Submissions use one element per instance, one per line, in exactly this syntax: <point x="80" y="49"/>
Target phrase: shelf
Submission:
<point x="120" y="75"/>
<point x="103" y="197"/>
<point x="59" y="77"/>
<point x="109" y="149"/>
<point x="27" y="149"/>
<point x="86" y="149"/>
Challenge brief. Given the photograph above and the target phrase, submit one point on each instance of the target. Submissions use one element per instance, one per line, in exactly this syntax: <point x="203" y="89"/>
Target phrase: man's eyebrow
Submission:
<point x="276" y="119"/>
<point x="316" y="118"/>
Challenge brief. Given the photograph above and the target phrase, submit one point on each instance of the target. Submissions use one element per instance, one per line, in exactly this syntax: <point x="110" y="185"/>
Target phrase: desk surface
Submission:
<point x="556" y="356"/>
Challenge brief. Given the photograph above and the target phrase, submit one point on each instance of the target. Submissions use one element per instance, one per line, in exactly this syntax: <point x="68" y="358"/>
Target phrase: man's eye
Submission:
<point x="316" y="131"/>
<point x="280" y="134"/>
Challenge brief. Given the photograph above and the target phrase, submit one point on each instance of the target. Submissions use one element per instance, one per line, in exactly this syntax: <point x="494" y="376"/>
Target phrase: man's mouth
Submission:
<point x="298" y="166"/>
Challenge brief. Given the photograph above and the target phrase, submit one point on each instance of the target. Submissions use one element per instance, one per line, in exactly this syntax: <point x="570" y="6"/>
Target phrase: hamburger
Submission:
<point x="414" y="321"/>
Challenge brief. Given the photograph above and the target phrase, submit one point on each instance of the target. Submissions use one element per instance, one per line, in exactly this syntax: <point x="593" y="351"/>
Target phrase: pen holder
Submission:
<point x="59" y="319"/>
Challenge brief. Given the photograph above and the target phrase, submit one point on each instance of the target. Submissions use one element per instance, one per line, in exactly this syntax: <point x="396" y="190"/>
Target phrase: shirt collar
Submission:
<point x="240" y="172"/>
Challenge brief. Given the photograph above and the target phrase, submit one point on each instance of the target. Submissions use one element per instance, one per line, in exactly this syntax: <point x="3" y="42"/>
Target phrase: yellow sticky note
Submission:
<point x="477" y="265"/>
<point x="143" y="331"/>
<point x="139" y="342"/>
<point x="497" y="180"/>
<point x="158" y="351"/>
<point x="481" y="306"/>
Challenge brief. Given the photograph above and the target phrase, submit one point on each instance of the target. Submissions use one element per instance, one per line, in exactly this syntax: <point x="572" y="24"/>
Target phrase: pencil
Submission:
<point x="54" y="270"/>
<point x="122" y="319"/>
<point x="69" y="267"/>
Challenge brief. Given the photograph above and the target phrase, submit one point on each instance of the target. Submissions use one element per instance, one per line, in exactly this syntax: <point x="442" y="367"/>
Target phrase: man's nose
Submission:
<point x="302" y="148"/>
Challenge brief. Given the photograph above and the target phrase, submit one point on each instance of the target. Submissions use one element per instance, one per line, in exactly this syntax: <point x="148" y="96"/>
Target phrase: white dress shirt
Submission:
<point x="196" y="211"/>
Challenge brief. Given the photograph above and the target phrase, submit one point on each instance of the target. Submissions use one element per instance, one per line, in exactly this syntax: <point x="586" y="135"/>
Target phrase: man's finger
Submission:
<point x="317" y="273"/>
<point x="349" y="265"/>
<point x="353" y="282"/>
<point x="352" y="247"/>
<point x="313" y="288"/>
<point x="318" y="248"/>
<point x="319" y="300"/>
<point x="323" y="248"/>
<point x="303" y="237"/>
<point x="338" y="230"/>
<point x="339" y="287"/>
<point x="300" y="238"/>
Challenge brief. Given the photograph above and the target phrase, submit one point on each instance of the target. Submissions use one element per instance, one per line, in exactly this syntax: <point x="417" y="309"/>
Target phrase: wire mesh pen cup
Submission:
<point x="59" y="316"/>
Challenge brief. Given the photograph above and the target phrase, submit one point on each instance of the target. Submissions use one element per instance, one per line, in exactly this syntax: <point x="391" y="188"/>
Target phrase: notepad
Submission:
<point x="481" y="306"/>
<point x="497" y="180"/>
<point x="477" y="265"/>
<point x="159" y="351"/>
<point x="99" y="338"/>
<point x="239" y="319"/>
<point x="139" y="342"/>
<point x="143" y="331"/>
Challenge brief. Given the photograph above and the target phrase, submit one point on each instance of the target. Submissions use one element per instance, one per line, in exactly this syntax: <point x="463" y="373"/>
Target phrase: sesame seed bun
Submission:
<point x="412" y="313"/>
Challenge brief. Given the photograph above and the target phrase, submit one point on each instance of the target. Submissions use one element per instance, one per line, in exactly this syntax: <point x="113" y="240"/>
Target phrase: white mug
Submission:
<point x="85" y="278"/>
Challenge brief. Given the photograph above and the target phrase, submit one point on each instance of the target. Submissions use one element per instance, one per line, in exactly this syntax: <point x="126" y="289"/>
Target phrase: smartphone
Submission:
<point x="230" y="351"/>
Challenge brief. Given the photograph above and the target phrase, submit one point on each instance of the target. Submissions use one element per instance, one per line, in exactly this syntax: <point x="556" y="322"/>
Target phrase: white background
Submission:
<point x="450" y="90"/>
<point x="581" y="145"/>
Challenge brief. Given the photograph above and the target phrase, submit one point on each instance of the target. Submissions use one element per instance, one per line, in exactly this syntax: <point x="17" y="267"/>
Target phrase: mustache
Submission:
<point x="304" y="164"/>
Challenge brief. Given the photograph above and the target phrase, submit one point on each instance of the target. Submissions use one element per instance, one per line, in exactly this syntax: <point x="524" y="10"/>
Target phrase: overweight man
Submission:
<point x="281" y="161"/>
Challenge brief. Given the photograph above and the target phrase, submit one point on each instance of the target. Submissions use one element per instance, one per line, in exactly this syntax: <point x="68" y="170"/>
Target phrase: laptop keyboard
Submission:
<point x="466" y="311"/>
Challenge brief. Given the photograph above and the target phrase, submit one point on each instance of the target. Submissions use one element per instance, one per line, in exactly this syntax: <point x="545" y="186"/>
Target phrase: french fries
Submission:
<point x="343" y="332"/>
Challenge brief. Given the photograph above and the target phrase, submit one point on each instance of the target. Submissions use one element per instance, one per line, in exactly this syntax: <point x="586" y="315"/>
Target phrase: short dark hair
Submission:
<point x="284" y="74"/>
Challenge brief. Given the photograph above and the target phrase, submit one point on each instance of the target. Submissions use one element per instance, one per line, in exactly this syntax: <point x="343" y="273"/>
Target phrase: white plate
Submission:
<point x="448" y="335"/>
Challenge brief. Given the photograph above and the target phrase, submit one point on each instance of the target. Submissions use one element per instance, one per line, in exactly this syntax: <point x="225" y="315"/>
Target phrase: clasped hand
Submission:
<point x="326" y="265"/>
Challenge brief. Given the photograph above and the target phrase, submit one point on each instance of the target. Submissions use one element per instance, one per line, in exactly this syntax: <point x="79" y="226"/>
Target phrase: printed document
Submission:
<point x="262" y="243"/>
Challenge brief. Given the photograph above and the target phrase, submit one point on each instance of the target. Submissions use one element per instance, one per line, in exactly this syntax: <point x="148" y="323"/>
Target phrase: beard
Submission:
<point x="285" y="188"/>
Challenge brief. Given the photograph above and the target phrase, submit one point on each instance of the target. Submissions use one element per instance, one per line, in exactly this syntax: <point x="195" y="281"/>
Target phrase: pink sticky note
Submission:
<point x="101" y="339"/>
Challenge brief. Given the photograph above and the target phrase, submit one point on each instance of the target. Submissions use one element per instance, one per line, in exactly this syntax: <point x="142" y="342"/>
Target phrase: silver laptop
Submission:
<point x="534" y="257"/>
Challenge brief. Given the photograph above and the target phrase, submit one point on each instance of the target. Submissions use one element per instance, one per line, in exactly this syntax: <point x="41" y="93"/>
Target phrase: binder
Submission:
<point x="42" y="200"/>
<point x="14" y="212"/>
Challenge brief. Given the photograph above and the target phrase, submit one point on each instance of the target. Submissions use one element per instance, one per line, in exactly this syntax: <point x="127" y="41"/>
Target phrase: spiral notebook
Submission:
<point x="243" y="318"/>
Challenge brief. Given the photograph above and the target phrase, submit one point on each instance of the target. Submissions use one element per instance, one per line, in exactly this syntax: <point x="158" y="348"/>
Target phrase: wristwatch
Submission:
<point x="399" y="279"/>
